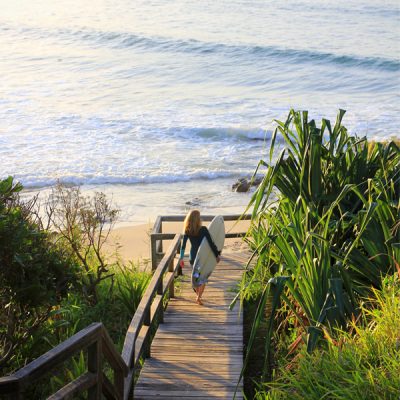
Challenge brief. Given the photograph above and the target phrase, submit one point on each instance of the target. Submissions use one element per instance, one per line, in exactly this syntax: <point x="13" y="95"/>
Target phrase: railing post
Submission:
<point x="172" y="284"/>
<point x="95" y="367"/>
<point x="119" y="383"/>
<point x="161" y="308"/>
<point x="154" y="259"/>
<point x="147" y="322"/>
<point x="160" y="243"/>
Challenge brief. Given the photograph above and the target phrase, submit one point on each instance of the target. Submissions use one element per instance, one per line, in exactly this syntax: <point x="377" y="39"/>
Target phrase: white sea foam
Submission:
<point x="33" y="181"/>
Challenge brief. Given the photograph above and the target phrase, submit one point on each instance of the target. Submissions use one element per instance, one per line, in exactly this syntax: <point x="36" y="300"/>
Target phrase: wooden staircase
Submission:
<point x="197" y="352"/>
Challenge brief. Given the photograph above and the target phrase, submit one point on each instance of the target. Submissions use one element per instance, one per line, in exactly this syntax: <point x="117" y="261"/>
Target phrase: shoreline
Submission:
<point x="140" y="204"/>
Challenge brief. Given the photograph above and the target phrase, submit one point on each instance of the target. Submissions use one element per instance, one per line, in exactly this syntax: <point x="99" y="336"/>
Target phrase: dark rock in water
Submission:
<point x="257" y="181"/>
<point x="244" y="184"/>
<point x="241" y="186"/>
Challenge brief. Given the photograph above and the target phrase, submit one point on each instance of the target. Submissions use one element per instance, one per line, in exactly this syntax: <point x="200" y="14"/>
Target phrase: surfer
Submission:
<point x="195" y="232"/>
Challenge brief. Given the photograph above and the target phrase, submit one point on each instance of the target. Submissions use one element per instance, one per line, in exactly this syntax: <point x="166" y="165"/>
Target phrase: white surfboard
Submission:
<point x="205" y="261"/>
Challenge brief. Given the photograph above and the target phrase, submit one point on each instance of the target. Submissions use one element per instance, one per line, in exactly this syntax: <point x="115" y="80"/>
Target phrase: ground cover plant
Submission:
<point x="325" y="230"/>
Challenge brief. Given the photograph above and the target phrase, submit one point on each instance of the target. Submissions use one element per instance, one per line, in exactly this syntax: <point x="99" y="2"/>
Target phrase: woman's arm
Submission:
<point x="182" y="253"/>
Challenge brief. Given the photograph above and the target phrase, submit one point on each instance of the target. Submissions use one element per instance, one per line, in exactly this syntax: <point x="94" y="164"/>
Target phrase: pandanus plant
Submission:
<point x="325" y="225"/>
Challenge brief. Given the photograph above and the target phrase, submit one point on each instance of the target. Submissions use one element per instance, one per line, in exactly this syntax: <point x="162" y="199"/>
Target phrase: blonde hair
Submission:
<point x="192" y="223"/>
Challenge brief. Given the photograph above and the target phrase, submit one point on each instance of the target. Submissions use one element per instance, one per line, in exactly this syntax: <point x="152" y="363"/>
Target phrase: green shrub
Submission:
<point x="34" y="273"/>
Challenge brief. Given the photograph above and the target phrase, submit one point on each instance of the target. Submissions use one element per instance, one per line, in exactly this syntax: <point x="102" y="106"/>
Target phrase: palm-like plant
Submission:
<point x="333" y="229"/>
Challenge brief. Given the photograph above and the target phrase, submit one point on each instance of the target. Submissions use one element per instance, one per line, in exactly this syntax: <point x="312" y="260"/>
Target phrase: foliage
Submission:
<point x="131" y="285"/>
<point x="34" y="272"/>
<point x="56" y="279"/>
<point x="325" y="227"/>
<point x="83" y="225"/>
<point x="364" y="364"/>
<point x="77" y="368"/>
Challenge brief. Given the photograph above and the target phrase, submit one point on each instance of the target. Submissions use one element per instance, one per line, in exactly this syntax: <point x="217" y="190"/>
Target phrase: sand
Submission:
<point x="132" y="243"/>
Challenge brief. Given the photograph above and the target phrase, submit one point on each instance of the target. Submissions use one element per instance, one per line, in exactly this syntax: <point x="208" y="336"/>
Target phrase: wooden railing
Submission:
<point x="96" y="342"/>
<point x="149" y="312"/>
<point x="157" y="236"/>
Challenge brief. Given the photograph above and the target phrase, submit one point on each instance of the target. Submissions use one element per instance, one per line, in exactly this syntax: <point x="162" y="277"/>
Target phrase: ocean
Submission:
<point x="163" y="105"/>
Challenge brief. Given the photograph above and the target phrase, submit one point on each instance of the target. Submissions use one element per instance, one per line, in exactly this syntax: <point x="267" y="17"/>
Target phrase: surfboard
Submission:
<point x="205" y="261"/>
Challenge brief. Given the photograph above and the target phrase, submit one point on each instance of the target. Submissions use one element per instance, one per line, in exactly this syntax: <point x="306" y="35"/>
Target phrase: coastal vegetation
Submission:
<point x="56" y="278"/>
<point x="325" y="236"/>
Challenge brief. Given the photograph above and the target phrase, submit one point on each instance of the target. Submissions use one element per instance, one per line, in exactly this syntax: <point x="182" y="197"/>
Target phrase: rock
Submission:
<point x="257" y="181"/>
<point x="244" y="184"/>
<point x="241" y="186"/>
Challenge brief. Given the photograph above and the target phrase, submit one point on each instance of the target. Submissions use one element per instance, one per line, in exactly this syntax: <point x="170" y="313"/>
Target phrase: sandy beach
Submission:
<point x="132" y="243"/>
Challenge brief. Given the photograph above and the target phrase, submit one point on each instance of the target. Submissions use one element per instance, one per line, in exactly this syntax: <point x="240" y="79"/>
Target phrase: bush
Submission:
<point x="35" y="275"/>
<point x="363" y="365"/>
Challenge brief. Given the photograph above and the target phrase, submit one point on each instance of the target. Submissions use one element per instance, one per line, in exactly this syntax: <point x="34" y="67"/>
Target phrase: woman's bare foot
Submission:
<point x="199" y="302"/>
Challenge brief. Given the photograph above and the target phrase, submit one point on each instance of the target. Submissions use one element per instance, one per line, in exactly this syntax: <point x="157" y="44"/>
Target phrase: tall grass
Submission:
<point x="325" y="227"/>
<point x="131" y="284"/>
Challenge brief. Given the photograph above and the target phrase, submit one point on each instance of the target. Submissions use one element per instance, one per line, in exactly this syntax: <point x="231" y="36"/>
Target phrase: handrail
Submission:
<point x="97" y="342"/>
<point x="157" y="236"/>
<point x="180" y="218"/>
<point x="150" y="308"/>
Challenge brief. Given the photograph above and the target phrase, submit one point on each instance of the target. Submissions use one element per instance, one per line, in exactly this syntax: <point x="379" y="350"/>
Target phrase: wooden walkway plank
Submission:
<point x="197" y="352"/>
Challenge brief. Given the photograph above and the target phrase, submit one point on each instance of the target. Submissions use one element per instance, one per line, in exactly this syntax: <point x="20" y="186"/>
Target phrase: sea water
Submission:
<point x="164" y="104"/>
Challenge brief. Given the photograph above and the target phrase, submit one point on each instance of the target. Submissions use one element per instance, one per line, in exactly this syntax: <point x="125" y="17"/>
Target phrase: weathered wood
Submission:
<point x="163" y="236"/>
<point x="109" y="390"/>
<point x="111" y="354"/>
<point x="96" y="340"/>
<point x="95" y="366"/>
<point x="145" y="303"/>
<point x="157" y="228"/>
<point x="189" y="393"/>
<point x="77" y="386"/>
<point x="116" y="362"/>
<point x="159" y="237"/>
<point x="231" y="217"/>
<point x="198" y="351"/>
<point x="128" y="384"/>
<point x="157" y="309"/>
<point x="58" y="354"/>
<point x="140" y="346"/>
<point x="153" y="247"/>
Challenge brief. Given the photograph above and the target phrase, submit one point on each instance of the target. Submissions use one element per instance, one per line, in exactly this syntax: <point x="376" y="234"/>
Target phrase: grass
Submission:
<point x="363" y="364"/>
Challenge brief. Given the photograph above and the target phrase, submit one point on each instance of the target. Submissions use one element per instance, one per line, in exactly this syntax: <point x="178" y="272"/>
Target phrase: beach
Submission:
<point x="133" y="242"/>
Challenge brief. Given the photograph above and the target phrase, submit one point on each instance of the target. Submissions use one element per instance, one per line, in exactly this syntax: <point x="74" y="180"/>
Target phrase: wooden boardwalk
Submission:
<point x="197" y="352"/>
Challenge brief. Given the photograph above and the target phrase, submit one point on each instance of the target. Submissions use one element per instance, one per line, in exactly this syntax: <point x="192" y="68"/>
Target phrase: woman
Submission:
<point x="193" y="231"/>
